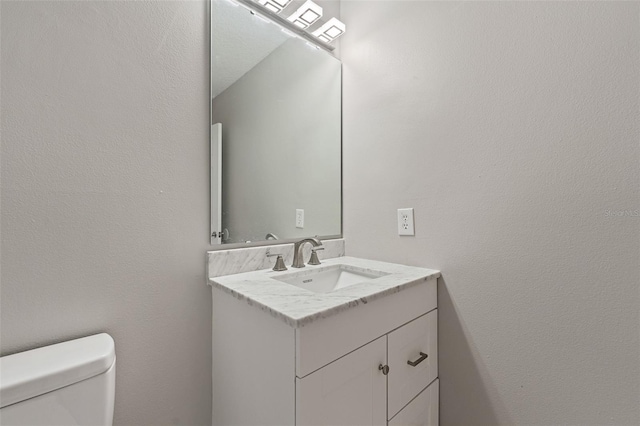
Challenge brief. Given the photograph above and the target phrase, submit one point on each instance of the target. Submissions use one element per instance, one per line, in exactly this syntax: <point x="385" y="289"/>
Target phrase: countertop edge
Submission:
<point x="305" y="320"/>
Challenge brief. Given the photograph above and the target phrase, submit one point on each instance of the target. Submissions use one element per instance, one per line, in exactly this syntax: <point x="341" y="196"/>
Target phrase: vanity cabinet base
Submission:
<point x="259" y="377"/>
<point x="253" y="365"/>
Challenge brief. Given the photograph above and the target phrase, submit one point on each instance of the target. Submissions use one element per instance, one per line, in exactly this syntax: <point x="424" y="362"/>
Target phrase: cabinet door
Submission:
<point x="422" y="411"/>
<point x="413" y="360"/>
<point x="349" y="391"/>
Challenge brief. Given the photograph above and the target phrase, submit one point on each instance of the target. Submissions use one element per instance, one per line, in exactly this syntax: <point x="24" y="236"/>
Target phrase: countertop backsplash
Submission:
<point x="238" y="260"/>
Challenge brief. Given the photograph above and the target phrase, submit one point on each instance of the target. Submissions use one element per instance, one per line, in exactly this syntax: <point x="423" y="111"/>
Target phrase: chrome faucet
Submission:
<point x="298" y="261"/>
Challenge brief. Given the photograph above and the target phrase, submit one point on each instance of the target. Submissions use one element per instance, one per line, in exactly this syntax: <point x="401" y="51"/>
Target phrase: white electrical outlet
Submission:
<point x="300" y="218"/>
<point x="405" y="222"/>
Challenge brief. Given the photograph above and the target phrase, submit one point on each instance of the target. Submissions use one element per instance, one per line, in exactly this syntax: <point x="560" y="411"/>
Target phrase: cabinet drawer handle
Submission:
<point x="384" y="369"/>
<point x="423" y="356"/>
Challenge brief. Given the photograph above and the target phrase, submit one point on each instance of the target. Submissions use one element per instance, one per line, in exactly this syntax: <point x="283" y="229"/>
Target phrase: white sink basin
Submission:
<point x="325" y="279"/>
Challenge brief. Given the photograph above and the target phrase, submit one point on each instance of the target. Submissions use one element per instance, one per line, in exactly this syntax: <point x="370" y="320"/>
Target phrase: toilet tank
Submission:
<point x="70" y="383"/>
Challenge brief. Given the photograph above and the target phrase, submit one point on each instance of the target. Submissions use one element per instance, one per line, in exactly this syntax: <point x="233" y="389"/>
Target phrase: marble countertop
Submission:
<point x="299" y="307"/>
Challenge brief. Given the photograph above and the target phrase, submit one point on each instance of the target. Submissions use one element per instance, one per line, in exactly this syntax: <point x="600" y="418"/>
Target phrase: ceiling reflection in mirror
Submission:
<point x="276" y="132"/>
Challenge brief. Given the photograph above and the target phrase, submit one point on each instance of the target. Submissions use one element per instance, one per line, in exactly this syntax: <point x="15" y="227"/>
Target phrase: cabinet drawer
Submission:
<point x="415" y="343"/>
<point x="422" y="411"/>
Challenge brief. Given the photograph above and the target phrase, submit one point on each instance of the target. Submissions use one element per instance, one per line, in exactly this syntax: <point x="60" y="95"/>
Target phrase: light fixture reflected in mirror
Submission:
<point x="306" y="15"/>
<point x="301" y="20"/>
<point x="274" y="6"/>
<point x="330" y="30"/>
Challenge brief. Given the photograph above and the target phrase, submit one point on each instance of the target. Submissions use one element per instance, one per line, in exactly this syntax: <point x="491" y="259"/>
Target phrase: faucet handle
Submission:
<point x="314" y="256"/>
<point x="279" y="266"/>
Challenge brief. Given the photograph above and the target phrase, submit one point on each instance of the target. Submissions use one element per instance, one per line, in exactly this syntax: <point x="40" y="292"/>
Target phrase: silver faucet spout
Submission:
<point x="298" y="261"/>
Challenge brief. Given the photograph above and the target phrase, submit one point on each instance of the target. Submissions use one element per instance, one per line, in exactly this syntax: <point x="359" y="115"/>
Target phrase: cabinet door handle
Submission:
<point x="384" y="369"/>
<point x="423" y="356"/>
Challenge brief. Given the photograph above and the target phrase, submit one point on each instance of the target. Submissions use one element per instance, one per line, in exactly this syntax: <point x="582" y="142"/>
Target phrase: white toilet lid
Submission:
<point x="31" y="373"/>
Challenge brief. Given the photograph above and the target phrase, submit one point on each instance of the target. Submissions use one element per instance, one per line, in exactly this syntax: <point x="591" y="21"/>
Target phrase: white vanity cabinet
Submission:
<point x="364" y="355"/>
<point x="353" y="390"/>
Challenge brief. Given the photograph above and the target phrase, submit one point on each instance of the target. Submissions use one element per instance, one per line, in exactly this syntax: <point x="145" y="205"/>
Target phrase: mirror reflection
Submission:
<point x="276" y="132"/>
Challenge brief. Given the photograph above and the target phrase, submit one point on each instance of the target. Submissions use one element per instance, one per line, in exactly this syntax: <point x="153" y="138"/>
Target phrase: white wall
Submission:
<point x="511" y="128"/>
<point x="281" y="146"/>
<point x="105" y="146"/>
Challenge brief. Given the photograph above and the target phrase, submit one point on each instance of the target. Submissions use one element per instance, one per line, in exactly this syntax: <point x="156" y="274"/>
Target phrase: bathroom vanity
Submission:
<point x="350" y="341"/>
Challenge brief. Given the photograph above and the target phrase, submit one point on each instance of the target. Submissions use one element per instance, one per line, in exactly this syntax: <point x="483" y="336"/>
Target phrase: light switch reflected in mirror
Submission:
<point x="276" y="132"/>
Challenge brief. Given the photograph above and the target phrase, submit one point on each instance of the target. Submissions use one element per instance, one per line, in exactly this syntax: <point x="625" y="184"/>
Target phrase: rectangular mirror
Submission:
<point x="275" y="132"/>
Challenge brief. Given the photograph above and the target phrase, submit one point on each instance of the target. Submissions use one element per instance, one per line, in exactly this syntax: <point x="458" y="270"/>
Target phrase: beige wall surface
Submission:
<point x="513" y="130"/>
<point x="105" y="192"/>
